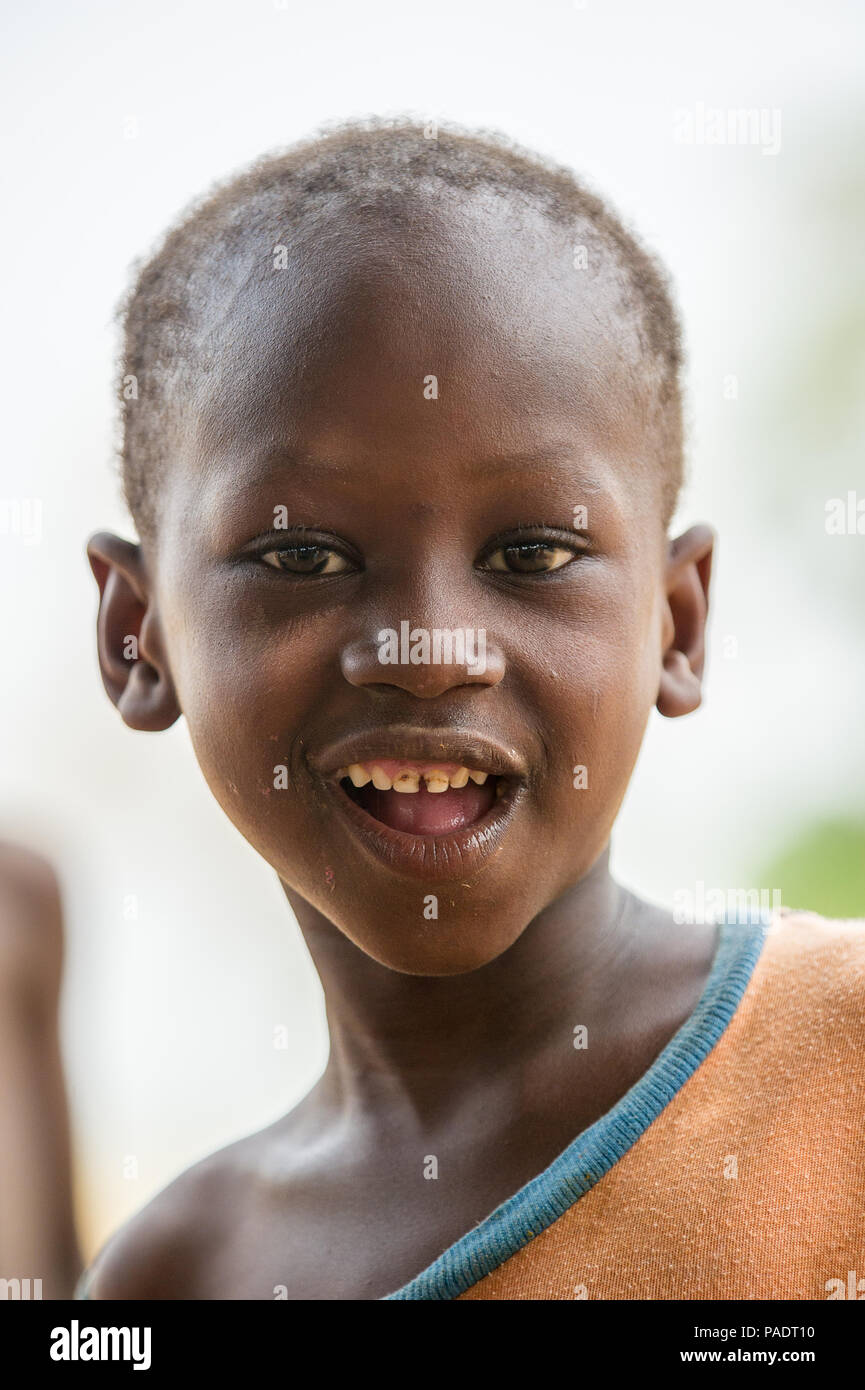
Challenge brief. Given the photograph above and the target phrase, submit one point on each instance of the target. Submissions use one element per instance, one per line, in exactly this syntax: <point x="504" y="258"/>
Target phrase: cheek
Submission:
<point x="247" y="691"/>
<point x="598" y="689"/>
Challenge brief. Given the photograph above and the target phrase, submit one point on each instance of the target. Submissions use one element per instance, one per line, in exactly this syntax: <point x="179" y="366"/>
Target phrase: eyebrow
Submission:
<point x="521" y="461"/>
<point x="534" y="460"/>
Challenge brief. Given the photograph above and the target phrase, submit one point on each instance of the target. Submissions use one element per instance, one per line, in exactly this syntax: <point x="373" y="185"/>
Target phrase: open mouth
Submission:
<point x="420" y="797"/>
<point x="433" y="804"/>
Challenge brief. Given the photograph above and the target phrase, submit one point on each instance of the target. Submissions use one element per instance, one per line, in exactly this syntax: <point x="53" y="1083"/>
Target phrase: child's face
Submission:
<point x="319" y="412"/>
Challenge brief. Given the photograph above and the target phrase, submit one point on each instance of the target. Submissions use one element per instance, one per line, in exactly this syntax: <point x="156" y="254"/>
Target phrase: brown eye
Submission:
<point x="306" y="559"/>
<point x="532" y="557"/>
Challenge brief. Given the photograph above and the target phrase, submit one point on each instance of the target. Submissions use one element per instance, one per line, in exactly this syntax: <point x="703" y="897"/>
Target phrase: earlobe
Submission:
<point x="689" y="567"/>
<point x="680" y="690"/>
<point x="129" y="641"/>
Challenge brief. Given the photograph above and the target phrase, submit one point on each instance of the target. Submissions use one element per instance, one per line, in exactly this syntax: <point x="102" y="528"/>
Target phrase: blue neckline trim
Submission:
<point x="545" y="1198"/>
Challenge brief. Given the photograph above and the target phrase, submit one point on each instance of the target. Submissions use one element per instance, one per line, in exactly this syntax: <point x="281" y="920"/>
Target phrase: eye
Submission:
<point x="307" y="559"/>
<point x="529" y="557"/>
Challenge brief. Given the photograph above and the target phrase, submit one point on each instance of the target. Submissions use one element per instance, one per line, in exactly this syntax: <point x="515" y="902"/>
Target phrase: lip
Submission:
<point x="431" y="858"/>
<point x="463" y="746"/>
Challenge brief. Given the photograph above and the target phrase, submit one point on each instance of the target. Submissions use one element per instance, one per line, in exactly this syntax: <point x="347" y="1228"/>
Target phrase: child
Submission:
<point x="402" y="441"/>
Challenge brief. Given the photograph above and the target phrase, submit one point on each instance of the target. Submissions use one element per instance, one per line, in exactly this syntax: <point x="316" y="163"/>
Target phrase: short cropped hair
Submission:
<point x="340" y="167"/>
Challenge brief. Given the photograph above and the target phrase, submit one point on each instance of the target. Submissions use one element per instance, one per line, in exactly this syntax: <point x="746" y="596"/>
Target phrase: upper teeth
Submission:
<point x="408" y="780"/>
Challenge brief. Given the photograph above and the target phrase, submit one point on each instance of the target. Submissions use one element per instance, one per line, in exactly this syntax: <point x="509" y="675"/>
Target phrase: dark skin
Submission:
<point x="451" y="1037"/>
<point x="38" y="1239"/>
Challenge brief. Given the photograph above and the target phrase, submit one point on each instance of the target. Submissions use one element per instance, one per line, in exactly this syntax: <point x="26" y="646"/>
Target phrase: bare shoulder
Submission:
<point x="163" y="1251"/>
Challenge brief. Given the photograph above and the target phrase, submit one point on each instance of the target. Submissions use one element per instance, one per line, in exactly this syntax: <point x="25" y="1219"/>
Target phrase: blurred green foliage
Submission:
<point x="822" y="869"/>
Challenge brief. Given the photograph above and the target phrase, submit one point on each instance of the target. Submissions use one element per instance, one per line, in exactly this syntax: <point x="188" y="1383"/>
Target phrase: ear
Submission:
<point x="129" y="637"/>
<point x="689" y="566"/>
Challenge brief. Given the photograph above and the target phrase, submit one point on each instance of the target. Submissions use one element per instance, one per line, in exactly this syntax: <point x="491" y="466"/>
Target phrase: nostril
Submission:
<point x="426" y="662"/>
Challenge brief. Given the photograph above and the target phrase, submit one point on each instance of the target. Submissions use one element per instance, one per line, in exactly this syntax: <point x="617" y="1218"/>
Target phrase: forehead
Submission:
<point x="429" y="328"/>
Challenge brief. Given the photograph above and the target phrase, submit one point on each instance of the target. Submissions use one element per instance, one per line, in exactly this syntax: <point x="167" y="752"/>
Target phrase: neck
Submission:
<point x="419" y="1039"/>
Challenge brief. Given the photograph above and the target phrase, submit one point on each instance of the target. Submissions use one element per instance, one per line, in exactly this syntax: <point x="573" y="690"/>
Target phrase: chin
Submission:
<point x="456" y="946"/>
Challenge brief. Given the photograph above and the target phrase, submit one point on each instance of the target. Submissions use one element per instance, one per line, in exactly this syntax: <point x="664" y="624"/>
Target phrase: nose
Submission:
<point x="425" y="662"/>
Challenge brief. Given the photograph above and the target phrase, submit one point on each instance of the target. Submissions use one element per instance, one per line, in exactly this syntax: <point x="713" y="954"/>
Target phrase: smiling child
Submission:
<point x="403" y="442"/>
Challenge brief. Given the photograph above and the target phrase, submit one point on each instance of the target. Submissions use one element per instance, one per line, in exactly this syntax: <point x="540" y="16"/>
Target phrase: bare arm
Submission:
<point x="37" y="1228"/>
